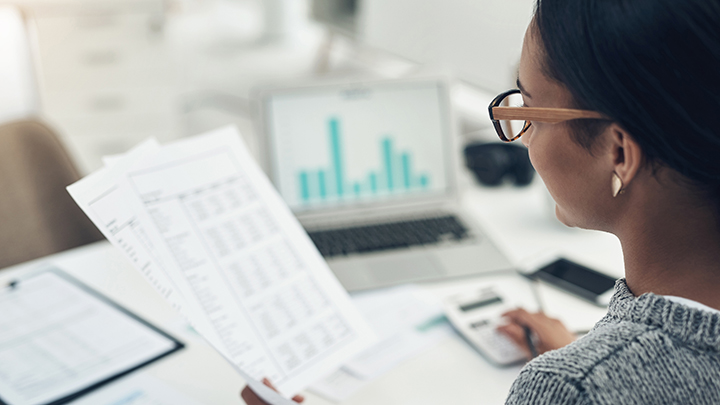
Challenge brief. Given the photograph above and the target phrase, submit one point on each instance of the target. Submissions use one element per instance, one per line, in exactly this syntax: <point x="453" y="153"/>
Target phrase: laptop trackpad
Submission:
<point x="405" y="268"/>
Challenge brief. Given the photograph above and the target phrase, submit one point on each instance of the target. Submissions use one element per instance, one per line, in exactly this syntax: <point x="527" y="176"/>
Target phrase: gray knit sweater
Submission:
<point x="646" y="350"/>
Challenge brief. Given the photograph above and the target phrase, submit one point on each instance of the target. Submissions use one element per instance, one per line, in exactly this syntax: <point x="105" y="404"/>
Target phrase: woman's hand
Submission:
<point x="251" y="398"/>
<point x="550" y="333"/>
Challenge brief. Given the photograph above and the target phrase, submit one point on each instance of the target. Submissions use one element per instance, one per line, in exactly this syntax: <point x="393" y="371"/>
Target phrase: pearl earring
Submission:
<point x="617" y="185"/>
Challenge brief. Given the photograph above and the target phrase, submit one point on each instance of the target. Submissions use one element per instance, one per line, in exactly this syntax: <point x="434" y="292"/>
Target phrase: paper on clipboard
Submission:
<point x="243" y="270"/>
<point x="58" y="340"/>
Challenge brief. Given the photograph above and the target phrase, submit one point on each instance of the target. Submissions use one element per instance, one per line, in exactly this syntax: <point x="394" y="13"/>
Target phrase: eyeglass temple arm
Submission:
<point x="549" y="115"/>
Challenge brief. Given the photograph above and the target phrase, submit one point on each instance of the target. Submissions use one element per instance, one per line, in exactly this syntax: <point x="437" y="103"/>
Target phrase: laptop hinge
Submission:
<point x="376" y="214"/>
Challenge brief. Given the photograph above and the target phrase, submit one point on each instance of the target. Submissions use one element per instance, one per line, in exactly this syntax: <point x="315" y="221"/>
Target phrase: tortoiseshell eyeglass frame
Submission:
<point x="528" y="114"/>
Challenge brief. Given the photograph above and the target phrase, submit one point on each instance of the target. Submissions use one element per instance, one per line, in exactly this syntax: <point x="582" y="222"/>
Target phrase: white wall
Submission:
<point x="17" y="87"/>
<point x="477" y="40"/>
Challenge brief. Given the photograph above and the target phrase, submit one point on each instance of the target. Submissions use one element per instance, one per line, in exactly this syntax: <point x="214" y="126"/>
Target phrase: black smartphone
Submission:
<point x="577" y="279"/>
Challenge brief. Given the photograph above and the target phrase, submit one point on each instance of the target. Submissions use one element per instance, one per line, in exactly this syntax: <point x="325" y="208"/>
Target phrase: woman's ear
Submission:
<point x="627" y="156"/>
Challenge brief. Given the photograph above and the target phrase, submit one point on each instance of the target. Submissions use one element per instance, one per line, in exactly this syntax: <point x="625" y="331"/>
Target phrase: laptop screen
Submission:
<point x="342" y="146"/>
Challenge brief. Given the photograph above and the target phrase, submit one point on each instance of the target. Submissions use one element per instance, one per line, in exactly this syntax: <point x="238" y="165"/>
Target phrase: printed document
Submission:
<point x="59" y="340"/>
<point x="203" y="224"/>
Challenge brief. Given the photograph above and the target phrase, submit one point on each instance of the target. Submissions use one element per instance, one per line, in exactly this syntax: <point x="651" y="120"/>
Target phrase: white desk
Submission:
<point x="451" y="372"/>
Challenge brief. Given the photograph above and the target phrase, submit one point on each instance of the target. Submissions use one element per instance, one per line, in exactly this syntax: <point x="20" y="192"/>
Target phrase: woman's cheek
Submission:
<point x="540" y="157"/>
<point x="535" y="149"/>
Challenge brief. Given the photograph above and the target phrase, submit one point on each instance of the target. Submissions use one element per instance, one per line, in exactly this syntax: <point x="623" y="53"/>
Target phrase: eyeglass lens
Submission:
<point x="512" y="128"/>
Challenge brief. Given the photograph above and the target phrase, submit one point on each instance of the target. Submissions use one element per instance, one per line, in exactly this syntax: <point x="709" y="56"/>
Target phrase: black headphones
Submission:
<point x="493" y="163"/>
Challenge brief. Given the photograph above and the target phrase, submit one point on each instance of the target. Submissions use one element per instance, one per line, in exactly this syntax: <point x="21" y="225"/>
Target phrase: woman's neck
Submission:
<point x="674" y="254"/>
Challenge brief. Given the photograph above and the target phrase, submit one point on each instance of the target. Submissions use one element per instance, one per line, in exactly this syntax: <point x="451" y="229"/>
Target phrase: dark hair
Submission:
<point x="653" y="66"/>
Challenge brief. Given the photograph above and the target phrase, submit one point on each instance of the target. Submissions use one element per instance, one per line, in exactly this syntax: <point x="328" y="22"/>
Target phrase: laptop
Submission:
<point x="371" y="172"/>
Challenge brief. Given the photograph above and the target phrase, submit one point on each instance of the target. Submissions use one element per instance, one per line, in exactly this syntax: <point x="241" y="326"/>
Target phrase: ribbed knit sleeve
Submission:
<point x="539" y="388"/>
<point x="646" y="350"/>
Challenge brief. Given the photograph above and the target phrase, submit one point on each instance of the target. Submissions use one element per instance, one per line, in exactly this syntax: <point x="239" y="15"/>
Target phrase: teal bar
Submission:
<point x="387" y="154"/>
<point x="356" y="188"/>
<point x="304" y="187"/>
<point x="373" y="183"/>
<point x="398" y="169"/>
<point x="336" y="156"/>
<point x="312" y="185"/>
<point x="406" y="169"/>
<point x="424" y="181"/>
<point x="321" y="184"/>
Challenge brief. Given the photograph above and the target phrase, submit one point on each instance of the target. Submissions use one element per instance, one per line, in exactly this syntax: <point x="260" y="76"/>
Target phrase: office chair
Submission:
<point x="37" y="215"/>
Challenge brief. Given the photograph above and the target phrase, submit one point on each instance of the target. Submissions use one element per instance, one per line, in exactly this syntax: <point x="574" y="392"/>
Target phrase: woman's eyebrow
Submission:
<point x="522" y="89"/>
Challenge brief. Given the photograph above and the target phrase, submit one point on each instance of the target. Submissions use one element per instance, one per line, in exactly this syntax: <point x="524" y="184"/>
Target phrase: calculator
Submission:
<point x="476" y="316"/>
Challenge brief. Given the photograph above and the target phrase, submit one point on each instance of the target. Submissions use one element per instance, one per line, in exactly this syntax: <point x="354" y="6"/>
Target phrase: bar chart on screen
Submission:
<point x="346" y="146"/>
<point x="396" y="173"/>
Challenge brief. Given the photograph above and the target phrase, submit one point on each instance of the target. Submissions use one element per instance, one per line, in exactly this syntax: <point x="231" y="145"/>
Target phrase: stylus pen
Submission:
<point x="528" y="340"/>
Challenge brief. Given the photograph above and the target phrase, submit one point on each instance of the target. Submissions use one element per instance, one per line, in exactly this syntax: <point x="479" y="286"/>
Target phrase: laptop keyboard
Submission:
<point x="385" y="236"/>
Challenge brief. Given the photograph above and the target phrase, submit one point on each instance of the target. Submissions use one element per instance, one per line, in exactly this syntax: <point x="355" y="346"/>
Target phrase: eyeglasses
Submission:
<point x="511" y="120"/>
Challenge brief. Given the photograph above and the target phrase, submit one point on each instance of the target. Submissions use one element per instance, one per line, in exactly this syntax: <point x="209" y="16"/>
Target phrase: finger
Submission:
<point x="516" y="333"/>
<point x="245" y="393"/>
<point x="296" y="398"/>
<point x="250" y="397"/>
<point x="269" y="384"/>
<point x="524" y="318"/>
<point x="513" y="311"/>
<point x="516" y="314"/>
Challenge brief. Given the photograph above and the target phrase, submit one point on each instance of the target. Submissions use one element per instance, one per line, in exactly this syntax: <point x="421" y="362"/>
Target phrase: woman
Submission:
<point x="620" y="103"/>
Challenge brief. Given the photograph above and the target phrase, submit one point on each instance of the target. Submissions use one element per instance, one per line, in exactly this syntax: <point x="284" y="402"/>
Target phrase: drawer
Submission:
<point x="95" y="28"/>
<point x="90" y="138"/>
<point x="119" y="127"/>
<point x="87" y="151"/>
<point x="110" y="101"/>
<point x="118" y="65"/>
<point x="100" y="56"/>
<point x="55" y="8"/>
<point x="79" y="78"/>
<point x="79" y="53"/>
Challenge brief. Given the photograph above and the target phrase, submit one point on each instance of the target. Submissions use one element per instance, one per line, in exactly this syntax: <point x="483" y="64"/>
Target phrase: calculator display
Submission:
<point x="481" y="303"/>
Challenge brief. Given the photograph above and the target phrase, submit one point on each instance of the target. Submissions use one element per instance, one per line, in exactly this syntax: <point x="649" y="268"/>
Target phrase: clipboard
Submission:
<point x="60" y="339"/>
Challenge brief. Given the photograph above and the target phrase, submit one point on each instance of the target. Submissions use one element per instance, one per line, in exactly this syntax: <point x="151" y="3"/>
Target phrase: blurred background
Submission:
<point x="107" y="74"/>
